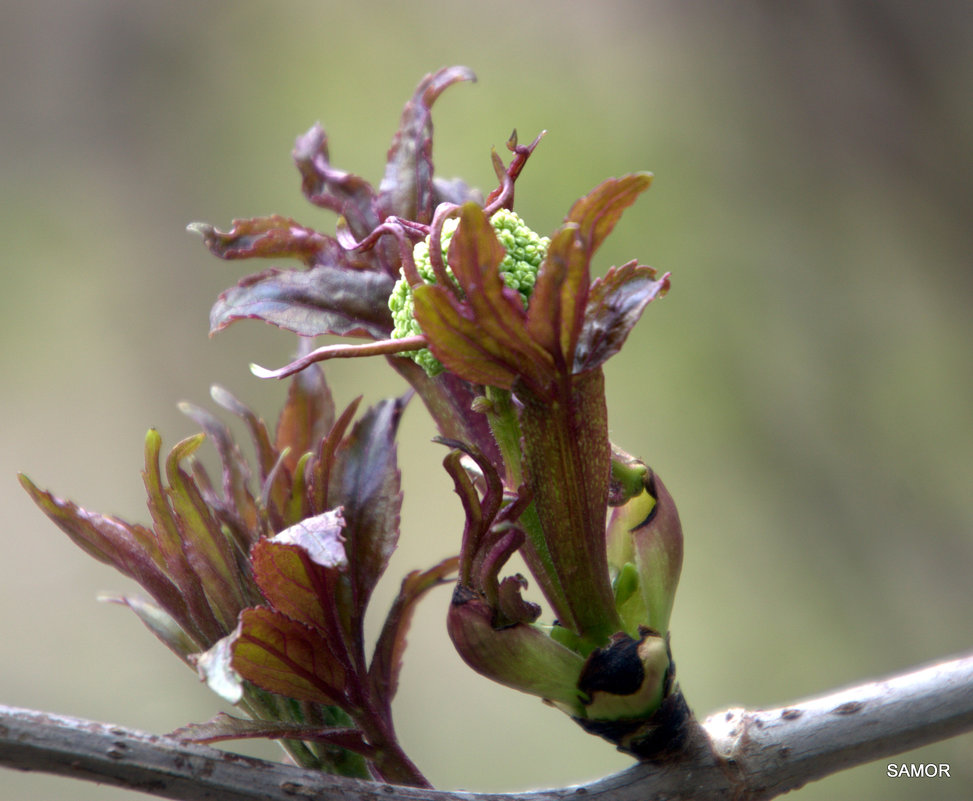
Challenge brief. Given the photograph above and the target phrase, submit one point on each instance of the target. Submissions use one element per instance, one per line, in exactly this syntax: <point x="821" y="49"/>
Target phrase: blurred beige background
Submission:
<point x="806" y="389"/>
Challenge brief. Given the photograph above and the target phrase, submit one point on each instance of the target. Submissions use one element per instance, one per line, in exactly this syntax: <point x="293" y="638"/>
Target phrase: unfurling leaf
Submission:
<point x="615" y="304"/>
<point x="365" y="483"/>
<point x="387" y="660"/>
<point x="328" y="187"/>
<point x="307" y="416"/>
<point x="407" y="189"/>
<point x="297" y="586"/>
<point x="319" y="537"/>
<point x="266" y="237"/>
<point x="286" y="657"/>
<point x="327" y="299"/>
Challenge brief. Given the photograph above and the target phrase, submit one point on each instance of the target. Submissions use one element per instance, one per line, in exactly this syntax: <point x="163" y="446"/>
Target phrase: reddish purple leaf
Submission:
<point x="407" y="189"/>
<point x="387" y="659"/>
<point x="615" y="304"/>
<point x="558" y="301"/>
<point x="318" y="470"/>
<point x="307" y="416"/>
<point x="134" y="551"/>
<point x="256" y="427"/>
<point x="560" y="298"/>
<point x="286" y="657"/>
<point x="327" y="299"/>
<point x="455" y="339"/>
<point x="365" y="483"/>
<point x="295" y="585"/>
<point x="328" y="187"/>
<point x="267" y="237"/>
<point x="597" y="212"/>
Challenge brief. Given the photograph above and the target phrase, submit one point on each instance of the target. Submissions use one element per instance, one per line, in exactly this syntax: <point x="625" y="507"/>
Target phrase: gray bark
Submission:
<point x="735" y="754"/>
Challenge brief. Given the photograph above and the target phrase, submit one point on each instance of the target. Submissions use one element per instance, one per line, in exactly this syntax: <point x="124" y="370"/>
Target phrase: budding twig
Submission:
<point x="745" y="755"/>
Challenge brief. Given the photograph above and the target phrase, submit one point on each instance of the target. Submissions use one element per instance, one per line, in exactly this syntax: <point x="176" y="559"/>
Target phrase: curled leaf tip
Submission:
<point x="215" y="668"/>
<point x="385" y="347"/>
<point x="263" y="372"/>
<point x="320" y="537"/>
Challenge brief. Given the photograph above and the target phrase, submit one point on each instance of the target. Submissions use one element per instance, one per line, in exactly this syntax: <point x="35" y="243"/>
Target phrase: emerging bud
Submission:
<point x="645" y="555"/>
<point x="505" y="334"/>
<point x="525" y="250"/>
<point x="521" y="656"/>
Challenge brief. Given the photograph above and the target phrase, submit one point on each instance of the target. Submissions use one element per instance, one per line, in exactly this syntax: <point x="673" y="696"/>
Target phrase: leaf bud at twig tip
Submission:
<point x="481" y="405"/>
<point x="644" y="539"/>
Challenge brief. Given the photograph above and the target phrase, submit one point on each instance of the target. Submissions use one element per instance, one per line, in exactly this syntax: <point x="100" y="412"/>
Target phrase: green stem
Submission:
<point x="261" y="705"/>
<point x="541" y="564"/>
<point x="389" y="762"/>
<point x="341" y="761"/>
<point x="567" y="462"/>
<point x="505" y="426"/>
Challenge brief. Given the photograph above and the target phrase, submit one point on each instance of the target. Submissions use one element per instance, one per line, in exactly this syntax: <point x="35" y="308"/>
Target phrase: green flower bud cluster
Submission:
<point x="525" y="252"/>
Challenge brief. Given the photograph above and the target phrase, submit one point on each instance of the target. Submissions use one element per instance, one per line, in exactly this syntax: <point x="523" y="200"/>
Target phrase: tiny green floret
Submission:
<point x="525" y="252"/>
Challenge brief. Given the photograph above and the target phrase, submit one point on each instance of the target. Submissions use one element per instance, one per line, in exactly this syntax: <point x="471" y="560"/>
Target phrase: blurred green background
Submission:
<point x="806" y="389"/>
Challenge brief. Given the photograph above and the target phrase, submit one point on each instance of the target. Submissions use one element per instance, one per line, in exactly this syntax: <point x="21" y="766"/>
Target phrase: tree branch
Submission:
<point x="736" y="754"/>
